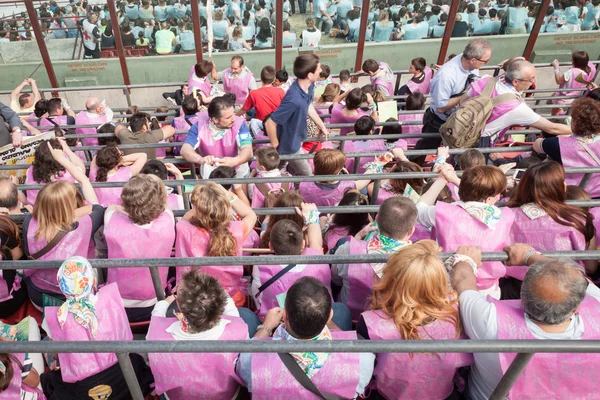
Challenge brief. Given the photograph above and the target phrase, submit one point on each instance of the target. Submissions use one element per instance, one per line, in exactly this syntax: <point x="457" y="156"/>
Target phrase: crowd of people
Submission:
<point x="165" y="26"/>
<point x="412" y="295"/>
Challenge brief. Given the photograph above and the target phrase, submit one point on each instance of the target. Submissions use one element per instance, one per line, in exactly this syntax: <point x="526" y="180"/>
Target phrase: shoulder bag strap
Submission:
<point x="188" y="122"/>
<point x="301" y="377"/>
<point x="275" y="278"/>
<point x="590" y="152"/>
<point x="55" y="240"/>
<point x="503" y="98"/>
<point x="489" y="87"/>
<point x="56" y="126"/>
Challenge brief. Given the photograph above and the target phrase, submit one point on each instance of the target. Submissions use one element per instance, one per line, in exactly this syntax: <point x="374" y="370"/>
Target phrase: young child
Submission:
<point x="282" y="80"/>
<point x="414" y="101"/>
<point x="345" y="83"/>
<point x="343" y="225"/>
<point x="286" y="238"/>
<point x="190" y="110"/>
<point x="236" y="41"/>
<point x="162" y="171"/>
<point x="324" y="78"/>
<point x="267" y="166"/>
<point x="142" y="41"/>
<point x="581" y="74"/>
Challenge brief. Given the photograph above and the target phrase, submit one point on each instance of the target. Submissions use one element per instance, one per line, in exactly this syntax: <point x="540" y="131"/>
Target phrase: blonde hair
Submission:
<point x="218" y="15"/>
<point x="414" y="290"/>
<point x="237" y="32"/>
<point x="144" y="198"/>
<point x="54" y="208"/>
<point x="331" y="91"/>
<point x="378" y="96"/>
<point x="213" y="214"/>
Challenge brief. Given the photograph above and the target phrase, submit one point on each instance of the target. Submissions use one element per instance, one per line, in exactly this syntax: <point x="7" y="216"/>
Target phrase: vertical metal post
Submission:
<point x="279" y="34"/>
<point x="127" y="93"/>
<point x="362" y="35"/>
<point x="375" y="192"/>
<point x="584" y="181"/>
<point x="511" y="376"/>
<point x="448" y="31"/>
<point x="114" y="20"/>
<point x="39" y="38"/>
<point x="535" y="31"/>
<point x="160" y="291"/>
<point x="129" y="375"/>
<point x="356" y="165"/>
<point x="197" y="33"/>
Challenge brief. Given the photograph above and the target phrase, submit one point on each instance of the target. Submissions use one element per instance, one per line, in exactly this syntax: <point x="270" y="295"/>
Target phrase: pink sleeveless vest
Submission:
<point x="333" y="235"/>
<point x="398" y="376"/>
<point x="58" y="120"/>
<point x="36" y="121"/>
<point x="238" y="86"/>
<point x="5" y="291"/>
<point x="596" y="213"/>
<point x="550" y="375"/>
<point x="359" y="146"/>
<point x="32" y="194"/>
<point x="13" y="391"/>
<point x="324" y="111"/>
<point x="389" y="85"/>
<point x="339" y="377"/>
<point x="199" y="375"/>
<point x="455" y="227"/>
<point x="573" y="155"/>
<point x="324" y="198"/>
<point x="574" y="83"/>
<point x="360" y="280"/>
<point x="111" y="196"/>
<point x="83" y="119"/>
<point x="421" y="233"/>
<point x="422" y="87"/>
<point x="127" y="240"/>
<point x="258" y="200"/>
<point x="113" y="325"/>
<point x="193" y="242"/>
<point x="174" y="201"/>
<point x="198" y="83"/>
<point x="224" y="147"/>
<point x="180" y="124"/>
<point x="413" y="129"/>
<point x="75" y="243"/>
<point x="498" y="111"/>
<point x="321" y="272"/>
<point x="337" y="117"/>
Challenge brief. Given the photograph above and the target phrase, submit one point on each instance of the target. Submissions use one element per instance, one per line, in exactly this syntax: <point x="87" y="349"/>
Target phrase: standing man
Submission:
<point x="25" y="102"/>
<point x="287" y="126"/>
<point x="96" y="112"/>
<point x="91" y="36"/>
<point x="447" y="86"/>
<point x="237" y="79"/>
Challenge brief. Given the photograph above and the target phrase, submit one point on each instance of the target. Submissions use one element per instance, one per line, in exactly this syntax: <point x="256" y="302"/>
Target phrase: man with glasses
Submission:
<point x="519" y="76"/>
<point x="447" y="87"/>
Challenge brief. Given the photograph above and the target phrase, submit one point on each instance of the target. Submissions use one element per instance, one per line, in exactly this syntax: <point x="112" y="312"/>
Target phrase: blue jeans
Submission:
<point x="302" y="6"/>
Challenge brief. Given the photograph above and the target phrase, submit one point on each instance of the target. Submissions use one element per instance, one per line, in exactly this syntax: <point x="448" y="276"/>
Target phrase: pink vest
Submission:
<point x="111" y="196"/>
<point x="83" y="119"/>
<point x="324" y="198"/>
<point x="5" y="291"/>
<point x="455" y="227"/>
<point x="195" y="376"/>
<point x="198" y="83"/>
<point x="258" y="200"/>
<point x="324" y="111"/>
<point x="413" y="129"/>
<point x="60" y="120"/>
<point x="75" y="243"/>
<point x="127" y="240"/>
<point x="337" y="117"/>
<point x="389" y="85"/>
<point x="193" y="242"/>
<point x="421" y="233"/>
<point x="422" y="87"/>
<point x="33" y="120"/>
<point x="573" y="83"/>
<point x="362" y="146"/>
<point x="339" y="376"/>
<point x="32" y="194"/>
<point x="180" y="124"/>
<point x="321" y="272"/>
<point x="113" y="325"/>
<point x="238" y="86"/>
<point x="360" y="280"/>
<point x="13" y="391"/>
<point x="550" y="375"/>
<point x="596" y="213"/>
<point x="224" y="147"/>
<point x="398" y="376"/>
<point x="574" y="155"/>
<point x="333" y="235"/>
<point x="498" y="111"/>
<point x="174" y="201"/>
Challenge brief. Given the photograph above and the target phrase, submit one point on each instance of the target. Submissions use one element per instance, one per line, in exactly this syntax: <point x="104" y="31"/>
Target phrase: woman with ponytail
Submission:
<point x="208" y="230"/>
<point x="110" y="165"/>
<point x="544" y="221"/>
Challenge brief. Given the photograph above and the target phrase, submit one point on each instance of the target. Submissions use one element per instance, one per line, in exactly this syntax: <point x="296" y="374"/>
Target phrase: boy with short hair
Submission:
<point x="282" y="80"/>
<point x="267" y="166"/>
<point x="324" y="78"/>
<point x="345" y="84"/>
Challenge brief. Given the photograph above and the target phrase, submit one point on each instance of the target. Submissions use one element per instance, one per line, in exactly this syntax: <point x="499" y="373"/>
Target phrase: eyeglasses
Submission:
<point x="483" y="61"/>
<point x="527" y="80"/>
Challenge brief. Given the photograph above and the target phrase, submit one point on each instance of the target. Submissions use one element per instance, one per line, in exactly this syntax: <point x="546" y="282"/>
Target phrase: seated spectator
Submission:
<point x="219" y="27"/>
<point x="311" y="36"/>
<point x="141" y="41"/>
<point x="191" y="113"/>
<point x="264" y="36"/>
<point x="286" y="199"/>
<point x="248" y="29"/>
<point x="236" y="41"/>
<point x="556" y="302"/>
<point x="437" y="31"/>
<point x="12" y="200"/>
<point x="206" y="312"/>
<point x="517" y="21"/>
<point x="419" y="29"/>
<point x="107" y="39"/>
<point x="398" y="187"/>
<point x="96" y="112"/>
<point x="237" y="79"/>
<point x="461" y="28"/>
<point x="351" y="111"/>
<point x="55" y="108"/>
<point x="580" y="75"/>
<point x="394" y="227"/>
<point x="324" y="78"/>
<point x="127" y="36"/>
<point x="283" y="80"/>
<point x="264" y="100"/>
<point x="381" y="75"/>
<point x="325" y="101"/>
<point x="421" y="79"/>
<point x="165" y="39"/>
<point x="289" y="37"/>
<point x="140" y="133"/>
<point x="307" y="315"/>
<point x="13" y="292"/>
<point x="267" y="166"/>
<point x="162" y="171"/>
<point x="176" y="97"/>
<point x="345" y="83"/>
<point x="208" y="230"/>
<point x="343" y="225"/>
<point x="199" y="81"/>
<point x="581" y="149"/>
<point x="383" y="27"/>
<point x="87" y="315"/>
<point x="414" y="102"/>
<point x="186" y="38"/>
<point x="414" y="301"/>
<point x="24" y="103"/>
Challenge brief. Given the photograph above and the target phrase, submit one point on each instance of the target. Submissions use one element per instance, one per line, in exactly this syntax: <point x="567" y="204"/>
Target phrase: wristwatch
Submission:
<point x="16" y="130"/>
<point x="264" y="327"/>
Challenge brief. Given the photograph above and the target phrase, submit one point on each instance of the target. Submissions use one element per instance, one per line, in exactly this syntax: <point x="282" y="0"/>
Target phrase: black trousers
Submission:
<point x="431" y="124"/>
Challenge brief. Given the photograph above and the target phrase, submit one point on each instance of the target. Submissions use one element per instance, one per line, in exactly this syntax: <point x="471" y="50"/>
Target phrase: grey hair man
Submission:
<point x="557" y="302"/>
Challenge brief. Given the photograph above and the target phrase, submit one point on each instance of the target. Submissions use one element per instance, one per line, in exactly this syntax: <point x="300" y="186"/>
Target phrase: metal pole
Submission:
<point x="375" y="192"/>
<point x="39" y="38"/>
<point x="160" y="291"/>
<point x="127" y="93"/>
<point x="535" y="31"/>
<point x="197" y="33"/>
<point x="114" y="20"/>
<point x="129" y="375"/>
<point x="448" y="31"/>
<point x="584" y="181"/>
<point x="279" y="34"/>
<point x="511" y="375"/>
<point x="362" y="35"/>
<point x="356" y="165"/>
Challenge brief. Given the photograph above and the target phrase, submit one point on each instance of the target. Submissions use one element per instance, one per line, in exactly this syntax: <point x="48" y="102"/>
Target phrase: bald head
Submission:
<point x="552" y="290"/>
<point x="9" y="195"/>
<point x="92" y="104"/>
